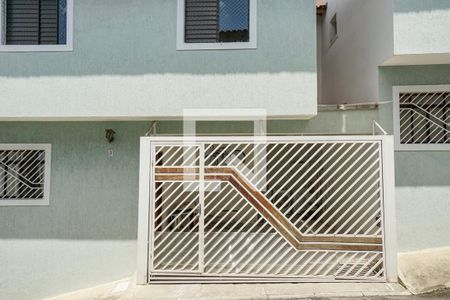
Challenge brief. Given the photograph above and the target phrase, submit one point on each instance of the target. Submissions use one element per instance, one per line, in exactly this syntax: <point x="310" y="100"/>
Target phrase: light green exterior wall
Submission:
<point x="124" y="66"/>
<point x="422" y="178"/>
<point x="87" y="235"/>
<point x="421" y="26"/>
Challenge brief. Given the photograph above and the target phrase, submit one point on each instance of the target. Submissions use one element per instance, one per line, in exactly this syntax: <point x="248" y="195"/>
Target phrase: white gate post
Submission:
<point x="201" y="223"/>
<point x="143" y="212"/>
<point x="390" y="228"/>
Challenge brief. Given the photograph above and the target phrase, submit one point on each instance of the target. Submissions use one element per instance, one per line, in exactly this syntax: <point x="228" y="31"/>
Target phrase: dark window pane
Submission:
<point x="234" y="20"/>
<point x="201" y="21"/>
<point x="36" y="22"/>
<point x="22" y="22"/>
<point x="62" y="22"/>
<point x="214" y="21"/>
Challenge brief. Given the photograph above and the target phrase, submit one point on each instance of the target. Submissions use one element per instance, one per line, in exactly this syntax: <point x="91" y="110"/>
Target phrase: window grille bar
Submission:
<point x="427" y="123"/>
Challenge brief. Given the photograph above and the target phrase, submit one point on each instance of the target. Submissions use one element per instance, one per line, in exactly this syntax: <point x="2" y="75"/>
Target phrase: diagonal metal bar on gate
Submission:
<point x="265" y="207"/>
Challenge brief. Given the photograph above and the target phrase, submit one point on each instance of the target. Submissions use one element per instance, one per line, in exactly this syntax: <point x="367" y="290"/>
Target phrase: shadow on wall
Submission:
<point x="139" y="37"/>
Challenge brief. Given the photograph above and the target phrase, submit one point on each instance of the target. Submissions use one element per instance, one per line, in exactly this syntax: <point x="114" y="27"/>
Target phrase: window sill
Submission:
<point x="36" y="48"/>
<point x="421" y="147"/>
<point x="25" y="202"/>
<point x="216" y="46"/>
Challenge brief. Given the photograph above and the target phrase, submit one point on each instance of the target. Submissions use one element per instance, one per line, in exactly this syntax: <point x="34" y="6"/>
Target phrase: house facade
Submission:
<point x="396" y="53"/>
<point x="82" y="81"/>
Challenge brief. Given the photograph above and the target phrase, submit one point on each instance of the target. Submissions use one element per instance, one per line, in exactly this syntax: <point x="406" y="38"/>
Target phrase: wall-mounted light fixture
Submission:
<point x="110" y="135"/>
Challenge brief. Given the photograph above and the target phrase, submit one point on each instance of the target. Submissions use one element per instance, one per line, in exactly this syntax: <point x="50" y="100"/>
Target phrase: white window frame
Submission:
<point x="397" y="90"/>
<point x="30" y="202"/>
<point x="251" y="44"/>
<point x="39" y="48"/>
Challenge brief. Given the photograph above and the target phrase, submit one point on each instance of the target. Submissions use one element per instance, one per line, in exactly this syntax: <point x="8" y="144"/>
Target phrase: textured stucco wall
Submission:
<point x="422" y="178"/>
<point x="421" y="26"/>
<point x="87" y="235"/>
<point x="124" y="65"/>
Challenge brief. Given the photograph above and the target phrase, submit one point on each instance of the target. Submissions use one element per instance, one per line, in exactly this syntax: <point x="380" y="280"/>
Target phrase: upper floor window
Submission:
<point x="216" y="24"/>
<point x="24" y="174"/>
<point x="333" y="30"/>
<point x="422" y="117"/>
<point x="36" y="25"/>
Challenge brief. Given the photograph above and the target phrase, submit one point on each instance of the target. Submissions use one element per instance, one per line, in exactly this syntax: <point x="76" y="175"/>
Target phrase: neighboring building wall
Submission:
<point x="422" y="177"/>
<point x="421" y="27"/>
<point x="124" y="65"/>
<point x="351" y="73"/>
<point x="365" y="40"/>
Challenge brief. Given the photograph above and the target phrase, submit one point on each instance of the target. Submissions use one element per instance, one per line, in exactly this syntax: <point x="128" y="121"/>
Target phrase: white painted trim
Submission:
<point x="251" y="44"/>
<point x="47" y="168"/>
<point x="43" y="48"/>
<point x="143" y="212"/>
<point x="151" y="233"/>
<point x="201" y="218"/>
<point x="261" y="139"/>
<point x="389" y="209"/>
<point x="396" y="90"/>
<point x="2" y="21"/>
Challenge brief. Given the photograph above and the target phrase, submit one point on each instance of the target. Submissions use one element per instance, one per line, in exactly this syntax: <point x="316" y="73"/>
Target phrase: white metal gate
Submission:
<point x="267" y="209"/>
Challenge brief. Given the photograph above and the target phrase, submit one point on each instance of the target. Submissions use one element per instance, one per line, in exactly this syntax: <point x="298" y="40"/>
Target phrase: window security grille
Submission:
<point x="35" y="22"/>
<point x="424" y="118"/>
<point x="217" y="21"/>
<point x="24" y="173"/>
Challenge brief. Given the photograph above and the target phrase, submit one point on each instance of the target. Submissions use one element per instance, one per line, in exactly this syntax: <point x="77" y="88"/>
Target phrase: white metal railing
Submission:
<point x="284" y="208"/>
<point x="377" y="127"/>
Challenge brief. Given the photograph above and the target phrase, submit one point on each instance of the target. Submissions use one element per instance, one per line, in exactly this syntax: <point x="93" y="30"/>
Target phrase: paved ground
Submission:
<point x="445" y="294"/>
<point x="126" y="290"/>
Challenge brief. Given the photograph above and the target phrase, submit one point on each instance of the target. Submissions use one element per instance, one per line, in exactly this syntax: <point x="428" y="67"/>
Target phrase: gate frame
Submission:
<point x="145" y="236"/>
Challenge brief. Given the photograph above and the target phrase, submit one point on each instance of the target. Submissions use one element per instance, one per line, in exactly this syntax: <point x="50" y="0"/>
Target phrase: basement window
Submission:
<point x="333" y="29"/>
<point x="36" y="25"/>
<point x="24" y="174"/>
<point x="422" y="118"/>
<point x="216" y="24"/>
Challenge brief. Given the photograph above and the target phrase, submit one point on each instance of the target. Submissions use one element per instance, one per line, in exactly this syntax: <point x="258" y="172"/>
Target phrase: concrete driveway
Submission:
<point x="445" y="294"/>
